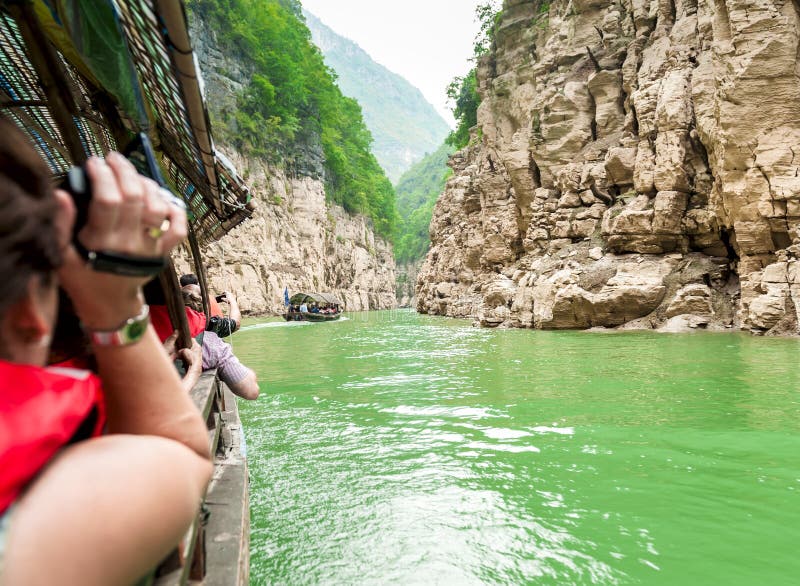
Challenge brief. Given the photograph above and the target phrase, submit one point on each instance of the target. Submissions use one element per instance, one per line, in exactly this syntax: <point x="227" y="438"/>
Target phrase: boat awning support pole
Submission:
<point x="182" y="57"/>
<point x="200" y="270"/>
<point x="172" y="292"/>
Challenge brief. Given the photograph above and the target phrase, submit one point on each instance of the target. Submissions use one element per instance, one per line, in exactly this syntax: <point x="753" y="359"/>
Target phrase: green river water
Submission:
<point x="393" y="448"/>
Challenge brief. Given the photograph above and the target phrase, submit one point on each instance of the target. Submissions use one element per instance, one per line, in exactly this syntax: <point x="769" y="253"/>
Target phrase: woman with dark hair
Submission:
<point x="100" y="476"/>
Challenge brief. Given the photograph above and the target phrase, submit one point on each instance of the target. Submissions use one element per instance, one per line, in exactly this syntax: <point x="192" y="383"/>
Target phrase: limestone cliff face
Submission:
<point x="637" y="164"/>
<point x="406" y="282"/>
<point x="295" y="238"/>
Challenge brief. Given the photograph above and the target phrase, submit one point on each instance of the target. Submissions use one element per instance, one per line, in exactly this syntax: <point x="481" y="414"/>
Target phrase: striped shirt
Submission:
<point x="217" y="354"/>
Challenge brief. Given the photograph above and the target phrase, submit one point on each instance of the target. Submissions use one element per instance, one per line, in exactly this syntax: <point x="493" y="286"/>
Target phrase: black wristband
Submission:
<point x="121" y="264"/>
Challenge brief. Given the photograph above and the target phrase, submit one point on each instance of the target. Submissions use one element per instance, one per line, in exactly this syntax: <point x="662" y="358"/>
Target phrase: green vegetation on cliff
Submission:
<point x="417" y="192"/>
<point x="463" y="91"/>
<point x="290" y="104"/>
<point x="464" y="94"/>
<point x="404" y="125"/>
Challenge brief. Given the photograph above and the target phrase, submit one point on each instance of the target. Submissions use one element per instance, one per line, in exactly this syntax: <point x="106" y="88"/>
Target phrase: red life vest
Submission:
<point x="159" y="317"/>
<point x="41" y="411"/>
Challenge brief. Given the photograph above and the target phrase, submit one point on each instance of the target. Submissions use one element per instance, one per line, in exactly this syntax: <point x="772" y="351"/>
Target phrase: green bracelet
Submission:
<point x="131" y="331"/>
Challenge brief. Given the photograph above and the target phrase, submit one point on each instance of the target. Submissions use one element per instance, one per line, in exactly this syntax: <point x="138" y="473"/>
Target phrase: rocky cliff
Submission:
<point x="636" y="164"/>
<point x="296" y="238"/>
<point x="406" y="281"/>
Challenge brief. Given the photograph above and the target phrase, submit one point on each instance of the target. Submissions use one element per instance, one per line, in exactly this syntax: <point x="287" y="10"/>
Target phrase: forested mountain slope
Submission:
<point x="285" y="106"/>
<point x="417" y="192"/>
<point x="326" y="210"/>
<point x="403" y="123"/>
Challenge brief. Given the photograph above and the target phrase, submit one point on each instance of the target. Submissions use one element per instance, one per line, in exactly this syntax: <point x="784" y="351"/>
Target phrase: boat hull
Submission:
<point x="307" y="316"/>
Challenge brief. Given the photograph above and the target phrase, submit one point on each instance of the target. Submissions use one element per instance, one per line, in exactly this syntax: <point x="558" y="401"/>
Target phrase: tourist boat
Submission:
<point x="322" y="301"/>
<point x="74" y="101"/>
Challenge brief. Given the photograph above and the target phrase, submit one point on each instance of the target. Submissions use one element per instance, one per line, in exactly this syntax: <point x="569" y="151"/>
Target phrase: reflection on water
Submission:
<point x="396" y="448"/>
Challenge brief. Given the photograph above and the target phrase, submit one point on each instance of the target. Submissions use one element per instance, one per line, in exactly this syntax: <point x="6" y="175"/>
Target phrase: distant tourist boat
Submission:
<point x="313" y="307"/>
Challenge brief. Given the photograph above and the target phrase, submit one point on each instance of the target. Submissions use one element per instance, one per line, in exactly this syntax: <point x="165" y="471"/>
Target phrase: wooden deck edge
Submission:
<point x="203" y="393"/>
<point x="226" y="535"/>
<point x="227" y="500"/>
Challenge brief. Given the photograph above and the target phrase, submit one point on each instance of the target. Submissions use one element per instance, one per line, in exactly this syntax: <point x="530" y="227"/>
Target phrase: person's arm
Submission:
<point x="142" y="389"/>
<point x="241" y="380"/>
<point x="246" y="388"/>
<point x="233" y="310"/>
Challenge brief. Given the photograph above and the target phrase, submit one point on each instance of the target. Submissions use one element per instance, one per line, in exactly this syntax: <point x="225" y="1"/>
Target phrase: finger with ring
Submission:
<point x="171" y="198"/>
<point x="157" y="232"/>
<point x="177" y="229"/>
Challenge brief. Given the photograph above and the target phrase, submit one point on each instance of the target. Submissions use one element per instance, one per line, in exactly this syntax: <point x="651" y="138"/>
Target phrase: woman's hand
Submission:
<point x="127" y="214"/>
<point x="169" y="345"/>
<point x="193" y="363"/>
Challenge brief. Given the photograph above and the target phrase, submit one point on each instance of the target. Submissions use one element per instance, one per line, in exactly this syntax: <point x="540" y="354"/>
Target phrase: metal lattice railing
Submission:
<point x="216" y="197"/>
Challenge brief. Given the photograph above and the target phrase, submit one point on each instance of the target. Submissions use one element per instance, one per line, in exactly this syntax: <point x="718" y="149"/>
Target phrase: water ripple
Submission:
<point x="400" y="449"/>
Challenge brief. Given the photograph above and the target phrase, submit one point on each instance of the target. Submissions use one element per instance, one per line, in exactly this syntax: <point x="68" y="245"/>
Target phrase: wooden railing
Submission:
<point x="215" y="549"/>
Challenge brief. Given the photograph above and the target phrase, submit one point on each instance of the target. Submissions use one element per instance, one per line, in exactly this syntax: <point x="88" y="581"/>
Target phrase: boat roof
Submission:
<point x="126" y="66"/>
<point x="299" y="298"/>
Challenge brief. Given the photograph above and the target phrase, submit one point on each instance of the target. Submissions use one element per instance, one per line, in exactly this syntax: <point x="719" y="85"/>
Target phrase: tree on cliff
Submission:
<point x="464" y="94"/>
<point x="291" y="102"/>
<point x="463" y="91"/>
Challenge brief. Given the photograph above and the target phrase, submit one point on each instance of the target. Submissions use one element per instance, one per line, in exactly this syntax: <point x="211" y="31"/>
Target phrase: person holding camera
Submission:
<point x="217" y="354"/>
<point x="214" y="310"/>
<point x="100" y="476"/>
<point x="220" y="325"/>
<point x="234" y="319"/>
<point x="217" y="322"/>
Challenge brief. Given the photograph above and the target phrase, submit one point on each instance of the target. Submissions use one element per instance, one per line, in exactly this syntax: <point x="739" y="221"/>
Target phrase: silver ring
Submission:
<point x="171" y="198"/>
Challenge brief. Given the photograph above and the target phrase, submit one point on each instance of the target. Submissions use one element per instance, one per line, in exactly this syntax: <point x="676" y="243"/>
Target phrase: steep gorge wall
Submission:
<point x="295" y="238"/>
<point x="637" y="164"/>
<point x="406" y="283"/>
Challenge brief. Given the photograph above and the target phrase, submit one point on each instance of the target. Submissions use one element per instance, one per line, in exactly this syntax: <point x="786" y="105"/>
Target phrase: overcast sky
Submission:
<point x="428" y="42"/>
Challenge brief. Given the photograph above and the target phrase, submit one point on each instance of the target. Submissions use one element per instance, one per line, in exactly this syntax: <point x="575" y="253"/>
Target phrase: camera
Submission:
<point x="141" y="154"/>
<point x="221" y="298"/>
<point x="77" y="184"/>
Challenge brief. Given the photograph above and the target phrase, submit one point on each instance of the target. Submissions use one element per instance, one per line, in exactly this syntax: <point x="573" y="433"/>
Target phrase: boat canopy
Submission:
<point x="326" y="298"/>
<point x="82" y="77"/>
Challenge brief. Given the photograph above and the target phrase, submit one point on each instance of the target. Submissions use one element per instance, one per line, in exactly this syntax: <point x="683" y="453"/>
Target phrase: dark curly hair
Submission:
<point x="28" y="238"/>
<point x="189" y="279"/>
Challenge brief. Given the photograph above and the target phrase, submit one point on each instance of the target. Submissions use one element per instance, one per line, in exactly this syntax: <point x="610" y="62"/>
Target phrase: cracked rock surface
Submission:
<point x="636" y="164"/>
<point x="297" y="239"/>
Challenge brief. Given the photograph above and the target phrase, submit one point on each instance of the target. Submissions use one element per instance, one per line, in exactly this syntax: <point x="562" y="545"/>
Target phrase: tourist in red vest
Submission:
<point x="100" y="476"/>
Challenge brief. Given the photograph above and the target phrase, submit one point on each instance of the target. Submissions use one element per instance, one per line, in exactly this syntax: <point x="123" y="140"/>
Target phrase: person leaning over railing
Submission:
<point x="78" y="507"/>
<point x="217" y="354"/>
